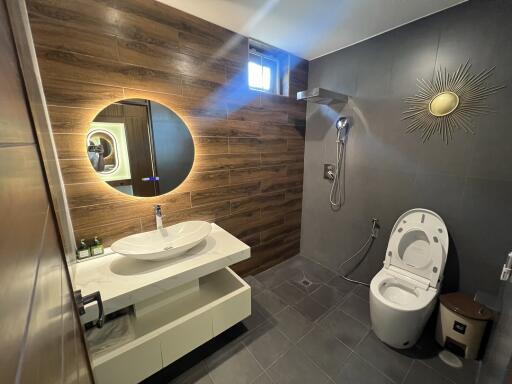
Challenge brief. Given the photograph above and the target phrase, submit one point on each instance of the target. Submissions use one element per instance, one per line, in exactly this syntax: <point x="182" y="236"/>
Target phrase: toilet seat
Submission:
<point x="417" y="245"/>
<point x="400" y="292"/>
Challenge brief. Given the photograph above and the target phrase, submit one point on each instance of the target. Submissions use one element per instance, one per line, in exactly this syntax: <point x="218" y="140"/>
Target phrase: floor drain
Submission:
<point x="305" y="283"/>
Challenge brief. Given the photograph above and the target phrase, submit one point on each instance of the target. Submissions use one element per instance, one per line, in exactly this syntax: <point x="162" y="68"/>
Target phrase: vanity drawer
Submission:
<point x="131" y="364"/>
<point x="163" y="335"/>
<point x="231" y="308"/>
<point x="227" y="301"/>
<point x="186" y="336"/>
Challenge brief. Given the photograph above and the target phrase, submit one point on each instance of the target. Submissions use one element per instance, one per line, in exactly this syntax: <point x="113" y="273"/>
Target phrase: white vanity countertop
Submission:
<point x="123" y="281"/>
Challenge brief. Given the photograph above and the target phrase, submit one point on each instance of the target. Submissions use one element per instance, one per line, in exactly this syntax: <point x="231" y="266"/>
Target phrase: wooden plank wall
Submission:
<point x="247" y="175"/>
<point x="41" y="338"/>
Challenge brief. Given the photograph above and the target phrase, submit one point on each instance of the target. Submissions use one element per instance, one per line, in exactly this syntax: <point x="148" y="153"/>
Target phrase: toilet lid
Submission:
<point x="418" y="244"/>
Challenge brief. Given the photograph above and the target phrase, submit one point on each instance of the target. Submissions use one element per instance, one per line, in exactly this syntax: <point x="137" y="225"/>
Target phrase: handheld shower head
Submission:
<point x="342" y="126"/>
<point x="342" y="123"/>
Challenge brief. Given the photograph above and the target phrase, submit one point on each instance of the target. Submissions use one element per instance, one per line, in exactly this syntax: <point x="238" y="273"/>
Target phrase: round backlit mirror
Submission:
<point x="443" y="103"/>
<point x="140" y="147"/>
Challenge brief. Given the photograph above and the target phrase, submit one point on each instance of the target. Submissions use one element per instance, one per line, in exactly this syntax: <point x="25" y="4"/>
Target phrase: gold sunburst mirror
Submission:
<point x="450" y="102"/>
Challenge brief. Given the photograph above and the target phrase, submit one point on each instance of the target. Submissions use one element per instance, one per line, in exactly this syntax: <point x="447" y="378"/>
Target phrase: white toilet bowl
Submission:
<point x="403" y="293"/>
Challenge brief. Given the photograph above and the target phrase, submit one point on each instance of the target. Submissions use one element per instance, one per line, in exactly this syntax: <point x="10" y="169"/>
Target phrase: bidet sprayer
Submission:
<point x="375" y="228"/>
<point x="507" y="268"/>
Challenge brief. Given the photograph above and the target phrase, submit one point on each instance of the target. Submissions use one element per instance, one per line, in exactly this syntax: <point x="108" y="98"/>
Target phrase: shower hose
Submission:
<point x="336" y="188"/>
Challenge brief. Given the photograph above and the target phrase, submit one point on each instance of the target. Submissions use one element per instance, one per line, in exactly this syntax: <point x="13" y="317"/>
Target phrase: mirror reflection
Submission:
<point x="140" y="147"/>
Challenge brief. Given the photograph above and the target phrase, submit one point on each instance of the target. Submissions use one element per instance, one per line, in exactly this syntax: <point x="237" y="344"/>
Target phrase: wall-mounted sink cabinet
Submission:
<point x="169" y="308"/>
<point x="145" y="344"/>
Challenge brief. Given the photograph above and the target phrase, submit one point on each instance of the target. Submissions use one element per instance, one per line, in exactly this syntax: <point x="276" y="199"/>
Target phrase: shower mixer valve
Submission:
<point x="329" y="170"/>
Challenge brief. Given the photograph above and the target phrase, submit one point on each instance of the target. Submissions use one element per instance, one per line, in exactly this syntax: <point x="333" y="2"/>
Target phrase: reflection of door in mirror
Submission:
<point x="134" y="116"/>
<point x="139" y="149"/>
<point x="172" y="146"/>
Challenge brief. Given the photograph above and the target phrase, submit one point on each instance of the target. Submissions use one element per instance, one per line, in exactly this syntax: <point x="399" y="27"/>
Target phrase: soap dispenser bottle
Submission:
<point x="83" y="250"/>
<point x="97" y="247"/>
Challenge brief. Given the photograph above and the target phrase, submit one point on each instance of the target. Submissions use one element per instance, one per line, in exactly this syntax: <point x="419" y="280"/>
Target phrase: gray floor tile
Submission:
<point x="464" y="375"/>
<point x="309" y="274"/>
<point x="305" y="285"/>
<point x="358" y="371"/>
<point x="198" y="374"/>
<point x="315" y="271"/>
<point x="325" y="350"/>
<point x="421" y="374"/>
<point x="289" y="293"/>
<point x="262" y="379"/>
<point x="357" y="308"/>
<point x="233" y="364"/>
<point x="327" y="296"/>
<point x="278" y="274"/>
<point x="345" y="328"/>
<point x="387" y="360"/>
<point x="289" y="272"/>
<point x="292" y="323"/>
<point x="362" y="291"/>
<point x="256" y="318"/>
<point x="269" y="278"/>
<point x="296" y="368"/>
<point x="269" y="302"/>
<point x="310" y="308"/>
<point x="341" y="285"/>
<point x="256" y="286"/>
<point x="267" y="344"/>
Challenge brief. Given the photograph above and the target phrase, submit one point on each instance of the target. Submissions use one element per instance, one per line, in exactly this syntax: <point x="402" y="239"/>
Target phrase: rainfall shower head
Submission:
<point x="322" y="96"/>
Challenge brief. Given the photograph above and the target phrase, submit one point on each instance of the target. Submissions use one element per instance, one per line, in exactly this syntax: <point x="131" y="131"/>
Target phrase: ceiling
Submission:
<point x="311" y="28"/>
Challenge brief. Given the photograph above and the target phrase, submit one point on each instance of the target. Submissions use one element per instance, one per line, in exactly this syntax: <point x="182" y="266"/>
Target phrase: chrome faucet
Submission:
<point x="158" y="216"/>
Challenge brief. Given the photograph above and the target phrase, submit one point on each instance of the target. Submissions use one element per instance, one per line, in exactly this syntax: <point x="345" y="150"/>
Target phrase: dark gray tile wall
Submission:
<point x="468" y="182"/>
<point x="497" y="362"/>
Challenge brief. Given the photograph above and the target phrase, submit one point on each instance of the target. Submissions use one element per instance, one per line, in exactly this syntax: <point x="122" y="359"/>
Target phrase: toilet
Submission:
<point x="404" y="292"/>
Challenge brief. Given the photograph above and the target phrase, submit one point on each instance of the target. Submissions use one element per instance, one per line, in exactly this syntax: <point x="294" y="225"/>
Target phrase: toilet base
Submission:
<point x="398" y="329"/>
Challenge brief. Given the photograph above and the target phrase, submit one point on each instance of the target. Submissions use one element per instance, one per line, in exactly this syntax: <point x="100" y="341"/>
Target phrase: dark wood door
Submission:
<point x="40" y="332"/>
<point x="139" y="149"/>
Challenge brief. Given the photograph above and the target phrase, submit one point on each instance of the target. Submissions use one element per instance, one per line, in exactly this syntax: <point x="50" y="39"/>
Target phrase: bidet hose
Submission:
<point x="369" y="241"/>
<point x="336" y="188"/>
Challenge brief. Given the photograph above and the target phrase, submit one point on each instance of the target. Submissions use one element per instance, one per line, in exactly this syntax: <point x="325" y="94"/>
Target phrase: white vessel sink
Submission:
<point x="164" y="243"/>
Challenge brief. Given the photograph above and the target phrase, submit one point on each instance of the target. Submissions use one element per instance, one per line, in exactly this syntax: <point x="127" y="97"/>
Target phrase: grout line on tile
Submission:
<point x="359" y="321"/>
<point x="257" y="362"/>
<point x="437" y="371"/>
<point x="316" y="365"/>
<point x="303" y="336"/>
<point x="368" y="331"/>
<point x="373" y="366"/>
<point x="408" y="371"/>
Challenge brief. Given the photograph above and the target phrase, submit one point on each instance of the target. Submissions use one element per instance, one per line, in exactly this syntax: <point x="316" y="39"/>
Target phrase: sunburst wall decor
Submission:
<point x="450" y="102"/>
